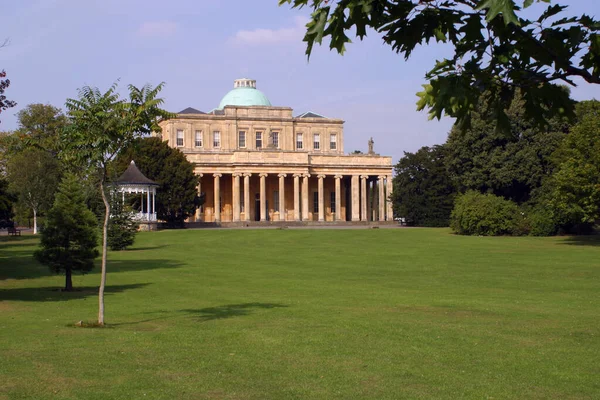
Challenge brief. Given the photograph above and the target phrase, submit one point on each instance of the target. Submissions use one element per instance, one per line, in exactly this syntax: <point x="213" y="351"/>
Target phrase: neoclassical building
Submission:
<point x="258" y="162"/>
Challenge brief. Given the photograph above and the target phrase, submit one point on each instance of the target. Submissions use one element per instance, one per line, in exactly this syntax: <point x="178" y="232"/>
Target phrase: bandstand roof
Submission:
<point x="133" y="176"/>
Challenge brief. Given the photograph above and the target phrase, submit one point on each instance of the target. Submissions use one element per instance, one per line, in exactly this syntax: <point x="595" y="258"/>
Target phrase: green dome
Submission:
<point x="244" y="93"/>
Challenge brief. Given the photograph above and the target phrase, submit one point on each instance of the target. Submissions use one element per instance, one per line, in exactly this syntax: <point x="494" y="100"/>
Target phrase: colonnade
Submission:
<point x="362" y="195"/>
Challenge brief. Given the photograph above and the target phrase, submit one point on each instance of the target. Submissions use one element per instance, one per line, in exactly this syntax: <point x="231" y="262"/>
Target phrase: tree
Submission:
<point x="575" y="186"/>
<point x="40" y="126"/>
<point x="70" y="237"/>
<point x="6" y="201"/>
<point x="423" y="191"/>
<point x="177" y="195"/>
<point x="496" y="49"/>
<point x="101" y="125"/>
<point x="34" y="175"/>
<point x="5" y="104"/>
<point x="121" y="227"/>
<point x="511" y="163"/>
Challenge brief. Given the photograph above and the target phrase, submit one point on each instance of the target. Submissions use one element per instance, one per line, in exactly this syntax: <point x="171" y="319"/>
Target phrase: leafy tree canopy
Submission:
<point x="423" y="191"/>
<point x="496" y="49"/>
<point x="5" y="104"/>
<point x="40" y="126"/>
<point x="177" y="195"/>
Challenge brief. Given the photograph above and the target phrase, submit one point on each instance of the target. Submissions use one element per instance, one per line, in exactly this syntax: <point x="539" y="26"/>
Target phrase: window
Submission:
<point x="242" y="139"/>
<point x="276" y="200"/>
<point x="198" y="141"/>
<point x="316" y="202"/>
<point x="179" y="137"/>
<point x="299" y="144"/>
<point x="332" y="201"/>
<point x="216" y="139"/>
<point x="316" y="141"/>
<point x="275" y="136"/>
<point x="259" y="140"/>
<point x="333" y="141"/>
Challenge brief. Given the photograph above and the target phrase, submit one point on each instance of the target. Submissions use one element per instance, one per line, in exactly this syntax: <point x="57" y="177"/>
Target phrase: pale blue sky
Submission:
<point x="198" y="47"/>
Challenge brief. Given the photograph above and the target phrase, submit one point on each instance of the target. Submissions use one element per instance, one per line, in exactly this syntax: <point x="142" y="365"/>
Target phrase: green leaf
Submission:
<point x="504" y="7"/>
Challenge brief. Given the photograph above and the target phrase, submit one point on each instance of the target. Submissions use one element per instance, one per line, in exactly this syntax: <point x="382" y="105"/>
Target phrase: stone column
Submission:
<point x="282" y="216"/>
<point x="355" y="199"/>
<point x="338" y="198"/>
<point x="198" y="210"/>
<point x="363" y="198"/>
<point x="297" y="197"/>
<point x="321" y="198"/>
<point x="217" y="202"/>
<point x="390" y="208"/>
<point x="263" y="196"/>
<point x="305" y="197"/>
<point x="381" y="198"/>
<point x="247" y="197"/>
<point x="236" y="197"/>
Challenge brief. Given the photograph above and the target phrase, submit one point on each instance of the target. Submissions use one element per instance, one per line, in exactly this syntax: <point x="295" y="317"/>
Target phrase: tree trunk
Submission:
<point x="34" y="221"/>
<point x="104" y="238"/>
<point x="68" y="280"/>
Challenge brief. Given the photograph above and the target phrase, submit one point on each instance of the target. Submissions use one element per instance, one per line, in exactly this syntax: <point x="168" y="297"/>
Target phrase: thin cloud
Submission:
<point x="261" y="36"/>
<point x="157" y="28"/>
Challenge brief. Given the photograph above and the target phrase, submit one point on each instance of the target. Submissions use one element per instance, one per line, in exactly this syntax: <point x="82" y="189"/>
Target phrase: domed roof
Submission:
<point x="244" y="93"/>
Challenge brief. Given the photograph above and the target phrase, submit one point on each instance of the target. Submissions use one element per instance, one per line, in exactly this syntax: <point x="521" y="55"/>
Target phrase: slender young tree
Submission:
<point x="101" y="124"/>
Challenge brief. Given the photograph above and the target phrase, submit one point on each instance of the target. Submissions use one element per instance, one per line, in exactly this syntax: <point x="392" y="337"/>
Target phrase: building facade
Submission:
<point x="258" y="162"/>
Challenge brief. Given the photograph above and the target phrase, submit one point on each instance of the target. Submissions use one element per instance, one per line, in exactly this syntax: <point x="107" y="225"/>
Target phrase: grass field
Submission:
<point x="309" y="314"/>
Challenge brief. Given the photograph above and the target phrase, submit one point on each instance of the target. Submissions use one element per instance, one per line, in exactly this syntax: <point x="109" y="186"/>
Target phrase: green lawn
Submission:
<point x="309" y="314"/>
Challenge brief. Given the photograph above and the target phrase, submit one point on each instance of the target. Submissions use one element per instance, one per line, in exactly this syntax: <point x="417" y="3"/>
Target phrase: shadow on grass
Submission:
<point x="229" y="311"/>
<point x="40" y="294"/>
<point x="16" y="240"/>
<point x="582" y="240"/>
<point x="21" y="266"/>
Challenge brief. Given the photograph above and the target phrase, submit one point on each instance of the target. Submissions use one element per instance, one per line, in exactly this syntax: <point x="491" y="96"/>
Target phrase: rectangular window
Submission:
<point x="179" y="137"/>
<point x="333" y="141"/>
<point x="242" y="139"/>
<point x="198" y="141"/>
<point x="216" y="139"/>
<point x="299" y="144"/>
<point x="332" y="202"/>
<point x="316" y="202"/>
<point x="259" y="140"/>
<point x="276" y="200"/>
<point x="316" y="141"/>
<point x="275" y="136"/>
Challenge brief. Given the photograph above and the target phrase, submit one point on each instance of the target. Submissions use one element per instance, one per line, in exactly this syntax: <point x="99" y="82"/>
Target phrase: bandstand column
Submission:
<point x="217" y="197"/>
<point x="355" y="198"/>
<point x="148" y="203"/>
<point x="363" y="198"/>
<point x="338" y="198"/>
<point x="263" y="196"/>
<point x="381" y="198"/>
<point x="236" y="197"/>
<point x="305" y="197"/>
<point x="282" y="216"/>
<point x="154" y="203"/>
<point x="390" y="208"/>
<point x="247" y="197"/>
<point x="321" y="198"/>
<point x="296" y="197"/>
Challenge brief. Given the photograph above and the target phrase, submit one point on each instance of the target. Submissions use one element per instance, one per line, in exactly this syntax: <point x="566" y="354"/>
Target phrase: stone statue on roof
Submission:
<point x="371" y="142"/>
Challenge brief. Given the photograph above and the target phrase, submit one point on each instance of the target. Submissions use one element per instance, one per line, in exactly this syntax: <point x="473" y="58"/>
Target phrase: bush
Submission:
<point x="541" y="222"/>
<point x="121" y="227"/>
<point x="485" y="214"/>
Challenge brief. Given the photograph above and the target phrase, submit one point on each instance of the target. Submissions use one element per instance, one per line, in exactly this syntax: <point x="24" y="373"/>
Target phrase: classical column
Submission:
<point x="297" y="197"/>
<point x="390" y="208"/>
<point x="321" y="198"/>
<point x="236" y="197"/>
<point x="355" y="198"/>
<point x="247" y="196"/>
<point x="263" y="196"/>
<point x="363" y="197"/>
<point x="217" y="202"/>
<point x="199" y="209"/>
<point x="338" y="198"/>
<point x="148" y="204"/>
<point x="305" y="197"/>
<point x="381" y="198"/>
<point x="282" y="216"/>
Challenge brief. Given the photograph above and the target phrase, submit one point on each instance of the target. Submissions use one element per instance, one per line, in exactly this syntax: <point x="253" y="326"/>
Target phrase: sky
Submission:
<point x="198" y="48"/>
